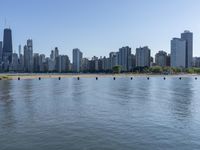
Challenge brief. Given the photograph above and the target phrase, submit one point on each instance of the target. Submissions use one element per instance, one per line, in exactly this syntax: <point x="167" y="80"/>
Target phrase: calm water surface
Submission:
<point x="105" y="114"/>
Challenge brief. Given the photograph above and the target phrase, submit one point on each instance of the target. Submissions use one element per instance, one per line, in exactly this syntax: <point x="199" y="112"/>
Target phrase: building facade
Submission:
<point x="124" y="58"/>
<point x="7" y="45"/>
<point x="113" y="59"/>
<point x="188" y="37"/>
<point x="143" y="57"/>
<point x="28" y="56"/>
<point x="161" y="59"/>
<point x="178" y="53"/>
<point x="77" y="59"/>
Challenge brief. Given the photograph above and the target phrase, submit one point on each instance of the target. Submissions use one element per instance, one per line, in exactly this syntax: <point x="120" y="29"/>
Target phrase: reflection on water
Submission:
<point x="182" y="97"/>
<point x="5" y="94"/>
<point x="100" y="114"/>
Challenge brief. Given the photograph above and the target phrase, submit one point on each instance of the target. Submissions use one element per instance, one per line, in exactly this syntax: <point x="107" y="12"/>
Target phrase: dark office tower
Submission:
<point x="1" y="50"/>
<point x="7" y="45"/>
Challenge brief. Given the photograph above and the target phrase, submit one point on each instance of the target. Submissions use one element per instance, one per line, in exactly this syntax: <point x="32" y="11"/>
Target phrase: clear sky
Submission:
<point x="100" y="26"/>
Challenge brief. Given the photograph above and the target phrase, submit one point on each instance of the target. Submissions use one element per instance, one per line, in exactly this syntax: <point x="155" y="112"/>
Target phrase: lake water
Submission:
<point x="106" y="114"/>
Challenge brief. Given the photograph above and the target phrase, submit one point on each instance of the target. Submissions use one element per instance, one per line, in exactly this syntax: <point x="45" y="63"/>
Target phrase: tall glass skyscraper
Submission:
<point x="7" y="45"/>
<point x="188" y="37"/>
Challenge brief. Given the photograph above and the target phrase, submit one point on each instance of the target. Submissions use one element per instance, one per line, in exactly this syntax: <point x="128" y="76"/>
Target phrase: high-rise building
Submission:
<point x="28" y="56"/>
<point x="20" y="50"/>
<point x="188" y="37"/>
<point x="7" y="45"/>
<point x="77" y="59"/>
<point x="42" y="62"/>
<point x="178" y="53"/>
<point x="1" y="50"/>
<point x="94" y="64"/>
<point x="50" y="65"/>
<point x="26" y="59"/>
<point x="113" y="59"/>
<point x="15" y="63"/>
<point x="125" y="58"/>
<point x="196" y="61"/>
<point x="30" y="48"/>
<point x="54" y="53"/>
<point x="168" y="61"/>
<point x="100" y="64"/>
<point x="143" y="57"/>
<point x="62" y="63"/>
<point x="85" y="64"/>
<point x="133" y="61"/>
<point x="36" y="66"/>
<point x="161" y="58"/>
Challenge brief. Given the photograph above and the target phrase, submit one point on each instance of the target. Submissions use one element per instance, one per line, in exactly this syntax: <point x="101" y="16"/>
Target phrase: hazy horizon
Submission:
<point x="98" y="27"/>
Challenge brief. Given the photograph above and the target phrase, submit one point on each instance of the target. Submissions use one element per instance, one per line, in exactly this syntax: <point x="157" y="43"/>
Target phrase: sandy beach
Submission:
<point x="15" y="76"/>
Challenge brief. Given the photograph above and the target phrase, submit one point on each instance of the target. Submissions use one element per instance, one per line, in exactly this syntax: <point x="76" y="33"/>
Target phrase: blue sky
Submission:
<point x="100" y="26"/>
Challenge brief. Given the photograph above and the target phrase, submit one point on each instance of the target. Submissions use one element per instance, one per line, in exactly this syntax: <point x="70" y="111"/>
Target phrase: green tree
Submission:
<point x="176" y="70"/>
<point x="196" y="70"/>
<point x="190" y="70"/>
<point x="156" y="69"/>
<point x="116" y="69"/>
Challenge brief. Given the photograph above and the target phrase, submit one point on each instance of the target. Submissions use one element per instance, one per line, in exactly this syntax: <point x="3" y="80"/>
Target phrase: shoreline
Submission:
<point x="14" y="76"/>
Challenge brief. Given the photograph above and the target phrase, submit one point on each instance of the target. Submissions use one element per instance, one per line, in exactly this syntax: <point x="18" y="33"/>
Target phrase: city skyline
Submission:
<point x="100" y="27"/>
<point x="180" y="56"/>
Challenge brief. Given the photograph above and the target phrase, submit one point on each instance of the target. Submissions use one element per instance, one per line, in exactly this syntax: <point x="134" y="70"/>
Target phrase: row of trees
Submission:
<point x="159" y="70"/>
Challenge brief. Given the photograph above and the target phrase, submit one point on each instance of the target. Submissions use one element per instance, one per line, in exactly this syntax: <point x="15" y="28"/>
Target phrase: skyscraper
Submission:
<point x="28" y="56"/>
<point x="53" y="56"/>
<point x="125" y="58"/>
<point x="178" y="52"/>
<point x="1" y="50"/>
<point x="15" y="63"/>
<point x="188" y="37"/>
<point x="20" y="50"/>
<point x="63" y="63"/>
<point x="36" y="66"/>
<point x="161" y="58"/>
<point x="143" y="57"/>
<point x="42" y="62"/>
<point x="77" y="59"/>
<point x="7" y="45"/>
<point x="113" y="59"/>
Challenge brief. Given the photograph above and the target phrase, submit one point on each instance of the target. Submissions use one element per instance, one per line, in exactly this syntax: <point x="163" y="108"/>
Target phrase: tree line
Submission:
<point x="159" y="70"/>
